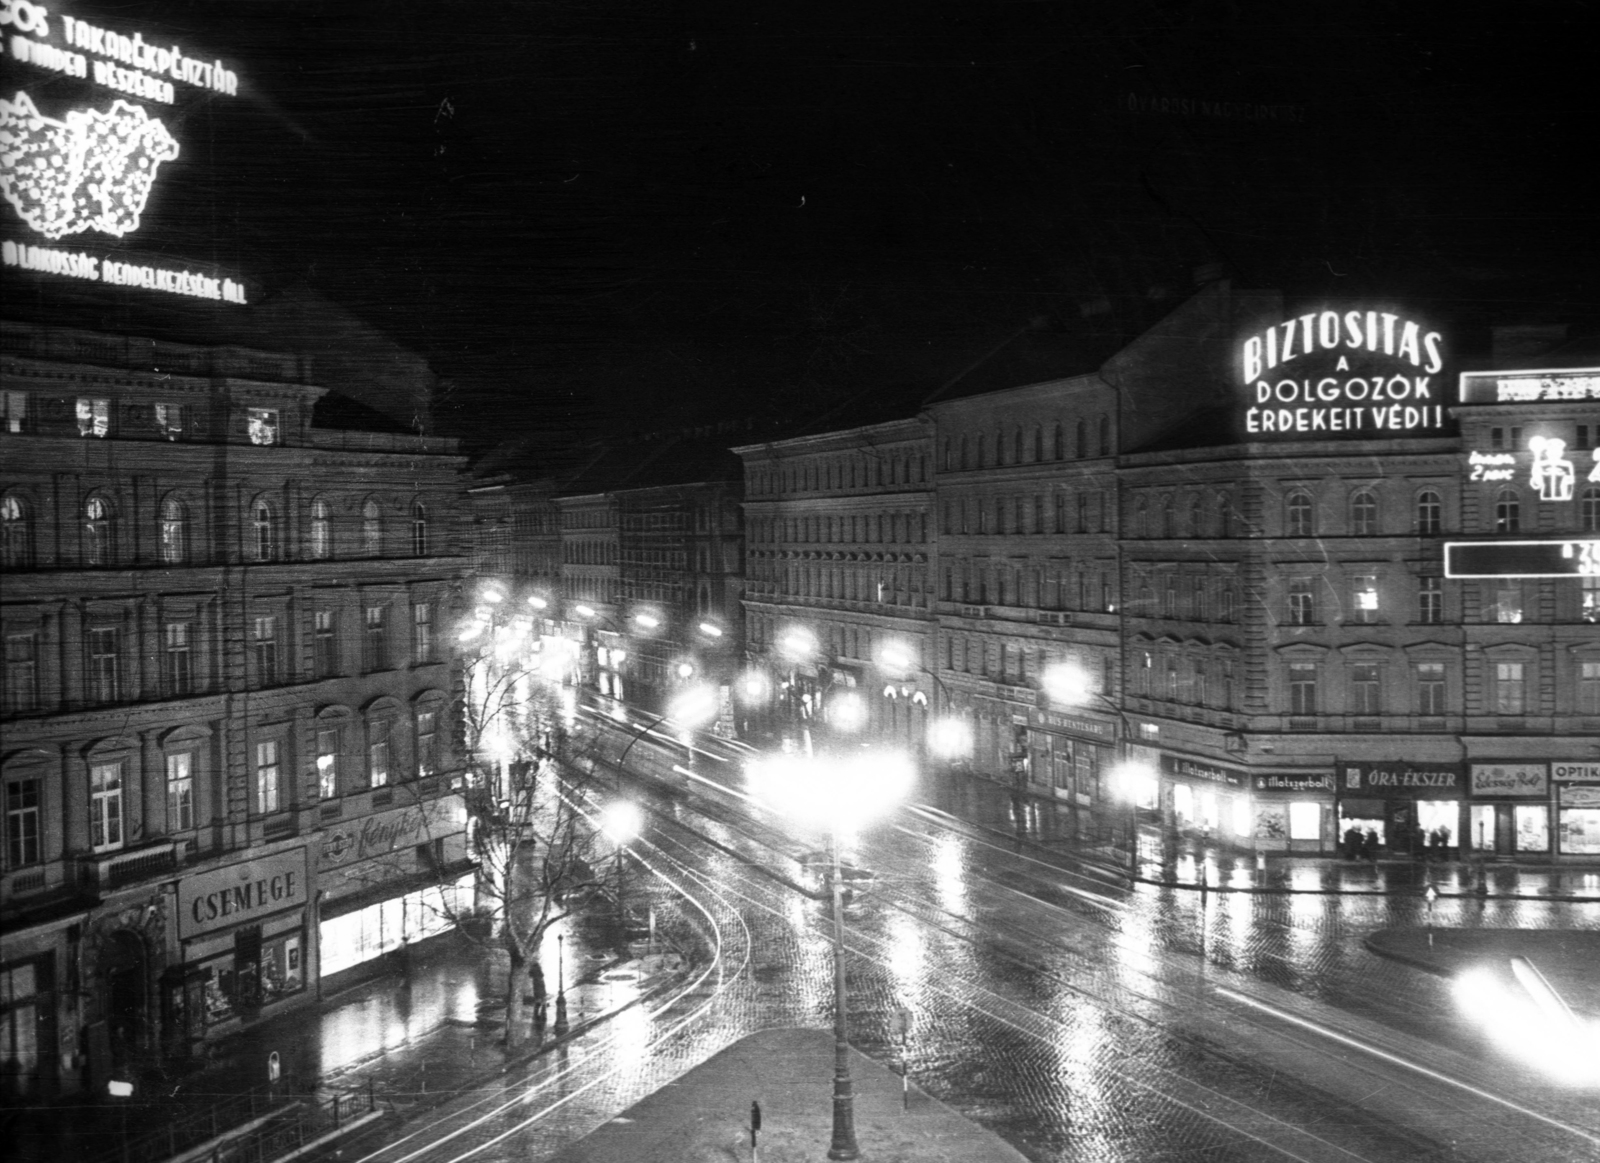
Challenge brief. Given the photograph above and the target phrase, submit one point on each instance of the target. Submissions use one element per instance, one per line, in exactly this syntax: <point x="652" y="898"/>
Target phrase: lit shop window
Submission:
<point x="94" y="416"/>
<point x="1305" y="820"/>
<point x="263" y="425"/>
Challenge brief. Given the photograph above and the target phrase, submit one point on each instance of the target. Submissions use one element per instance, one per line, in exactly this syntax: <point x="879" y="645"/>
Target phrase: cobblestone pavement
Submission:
<point x="1074" y="1020"/>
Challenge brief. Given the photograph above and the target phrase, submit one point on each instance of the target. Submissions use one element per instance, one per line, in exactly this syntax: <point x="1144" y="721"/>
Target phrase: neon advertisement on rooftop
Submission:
<point x="1333" y="373"/>
<point x="91" y="117"/>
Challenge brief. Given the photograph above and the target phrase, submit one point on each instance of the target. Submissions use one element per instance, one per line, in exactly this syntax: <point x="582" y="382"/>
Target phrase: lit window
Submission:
<point x="171" y="420"/>
<point x="1364" y="598"/>
<point x="16" y="533"/>
<point x="14" y="407"/>
<point x="321" y="531"/>
<point x="264" y="533"/>
<point x="94" y="416"/>
<point x="99" y="532"/>
<point x="378" y="752"/>
<point x="1509" y="688"/>
<point x="427" y="742"/>
<point x="1508" y="603"/>
<point x="180" y="792"/>
<point x="328" y="763"/>
<point x="263" y="425"/>
<point x="105" y="806"/>
<point x="419" y="530"/>
<point x="422" y="632"/>
<point x="174" y="532"/>
<point x="267" y="776"/>
<point x="1589" y="599"/>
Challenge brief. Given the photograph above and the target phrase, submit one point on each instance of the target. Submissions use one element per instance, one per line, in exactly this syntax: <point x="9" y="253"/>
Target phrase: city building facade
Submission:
<point x="228" y="696"/>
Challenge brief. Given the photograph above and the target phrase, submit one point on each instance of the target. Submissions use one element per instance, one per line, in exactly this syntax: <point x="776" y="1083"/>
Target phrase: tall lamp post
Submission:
<point x="1069" y="685"/>
<point x="838" y="793"/>
<point x="620" y="821"/>
<point x="947" y="736"/>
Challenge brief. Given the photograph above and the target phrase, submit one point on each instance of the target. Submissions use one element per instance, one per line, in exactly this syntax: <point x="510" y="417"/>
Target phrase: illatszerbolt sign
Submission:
<point x="1332" y="373"/>
<point x="81" y="154"/>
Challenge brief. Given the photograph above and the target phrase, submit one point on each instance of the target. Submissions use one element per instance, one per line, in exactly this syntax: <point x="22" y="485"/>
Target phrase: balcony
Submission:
<point x="974" y="611"/>
<point x="1055" y="617"/>
<point x="111" y="870"/>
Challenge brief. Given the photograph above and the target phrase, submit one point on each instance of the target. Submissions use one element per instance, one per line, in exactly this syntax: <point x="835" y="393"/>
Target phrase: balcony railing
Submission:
<point x="110" y="870"/>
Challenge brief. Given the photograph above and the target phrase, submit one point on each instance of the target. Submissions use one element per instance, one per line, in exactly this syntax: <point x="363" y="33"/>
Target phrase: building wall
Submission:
<point x="223" y="638"/>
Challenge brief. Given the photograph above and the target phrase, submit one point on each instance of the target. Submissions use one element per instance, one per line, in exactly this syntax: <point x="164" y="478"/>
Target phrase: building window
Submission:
<point x="1364" y="598"/>
<point x="321" y="531"/>
<point x="14" y="410"/>
<point x="180" y="674"/>
<point x="1299" y="515"/>
<point x="1083" y="439"/>
<point x="16" y="533"/>
<point x="1589" y="510"/>
<point x="99" y="532"/>
<point x="326" y="643"/>
<point x="422" y="632"/>
<point x="180" y="792"/>
<point x="1226" y="612"/>
<point x="1430" y="688"/>
<point x="328" y="747"/>
<point x="1302" y="601"/>
<point x="1059" y="449"/>
<point x="266" y="650"/>
<point x="371" y="529"/>
<point x="1302" y="688"/>
<point x="1508" y="602"/>
<point x="1430" y="600"/>
<point x="174" y="532"/>
<point x="378" y="752"/>
<point x="22" y="823"/>
<point x="1510" y="691"/>
<point x="105" y="806"/>
<point x="1589" y="599"/>
<point x="1105" y="436"/>
<point x="427" y="742"/>
<point x="419" y="530"/>
<point x="1589" y="688"/>
<point x="1507" y="512"/>
<point x="1365" y="693"/>
<point x="105" y="669"/>
<point x="267" y="776"/>
<point x="171" y="420"/>
<point x="1430" y="513"/>
<point x="375" y="652"/>
<point x="262" y="425"/>
<point x="22" y="672"/>
<point x="1364" y="514"/>
<point x="94" y="416"/>
<point x="263" y="531"/>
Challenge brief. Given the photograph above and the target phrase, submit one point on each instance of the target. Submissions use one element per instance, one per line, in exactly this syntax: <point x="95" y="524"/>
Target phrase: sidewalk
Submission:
<point x="704" y="1117"/>
<point x="1569" y="959"/>
<point x="1099" y="838"/>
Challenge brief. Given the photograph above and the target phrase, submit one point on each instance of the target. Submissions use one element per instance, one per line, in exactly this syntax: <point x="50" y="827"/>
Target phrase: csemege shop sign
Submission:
<point x="241" y="893"/>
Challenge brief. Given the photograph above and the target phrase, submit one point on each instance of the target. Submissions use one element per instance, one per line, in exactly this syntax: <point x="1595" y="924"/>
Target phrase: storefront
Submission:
<point x="1577" y="787"/>
<point x="1201" y="797"/>
<point x="1510" y="810"/>
<point x="1069" y="753"/>
<point x="242" y="932"/>
<point x="389" y="879"/>
<point x="1293" y="810"/>
<point x="1413" y="808"/>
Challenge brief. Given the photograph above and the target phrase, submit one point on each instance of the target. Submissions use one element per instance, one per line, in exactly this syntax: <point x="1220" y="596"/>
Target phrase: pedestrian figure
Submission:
<point x="1369" y="846"/>
<point x="1352" y="842"/>
<point x="1436" y="844"/>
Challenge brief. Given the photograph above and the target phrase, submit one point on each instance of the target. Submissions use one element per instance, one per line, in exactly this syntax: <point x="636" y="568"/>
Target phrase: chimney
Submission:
<point x="1513" y="341"/>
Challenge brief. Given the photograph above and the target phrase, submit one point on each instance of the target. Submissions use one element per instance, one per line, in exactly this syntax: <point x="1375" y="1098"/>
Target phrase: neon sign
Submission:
<point x="1491" y="466"/>
<point x="1530" y="387"/>
<point x="1553" y="557"/>
<point x="1381" y="378"/>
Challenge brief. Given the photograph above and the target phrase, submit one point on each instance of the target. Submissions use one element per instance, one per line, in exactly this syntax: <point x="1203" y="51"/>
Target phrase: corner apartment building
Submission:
<point x="227" y="696"/>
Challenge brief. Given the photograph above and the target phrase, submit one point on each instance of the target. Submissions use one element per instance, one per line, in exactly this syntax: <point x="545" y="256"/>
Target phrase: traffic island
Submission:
<point x="705" y="1116"/>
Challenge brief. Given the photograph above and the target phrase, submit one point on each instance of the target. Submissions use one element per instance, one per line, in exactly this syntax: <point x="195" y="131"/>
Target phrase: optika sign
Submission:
<point x="1352" y="372"/>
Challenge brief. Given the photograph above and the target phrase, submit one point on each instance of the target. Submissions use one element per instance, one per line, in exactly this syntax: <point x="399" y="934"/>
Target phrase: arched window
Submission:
<point x="419" y="530"/>
<point x="1430" y="512"/>
<point x="1507" y="512"/>
<point x="371" y="529"/>
<point x="1016" y="447"/>
<point x="1224" y="515"/>
<point x="321" y="530"/>
<point x="16" y="533"/>
<point x="1168" y="522"/>
<point x="980" y="452"/>
<point x="1298" y="515"/>
<point x="1083" y="439"/>
<point x="1197" y="519"/>
<point x="263" y="530"/>
<point x="1105" y="436"/>
<point x="174" y="532"/>
<point x="1589" y="509"/>
<point x="963" y="452"/>
<point x="1060" y="443"/>
<point x="1038" y="443"/>
<point x="1364" y="514"/>
<point x="99" y="531"/>
<point x="947" y="465"/>
<point x="1140" y="512"/>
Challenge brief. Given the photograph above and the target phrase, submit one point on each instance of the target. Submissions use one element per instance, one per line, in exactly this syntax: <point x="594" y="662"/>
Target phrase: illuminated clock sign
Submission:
<point x="1337" y="373"/>
<point x="1550" y="557"/>
<point x="81" y="154"/>
<point x="1561" y="385"/>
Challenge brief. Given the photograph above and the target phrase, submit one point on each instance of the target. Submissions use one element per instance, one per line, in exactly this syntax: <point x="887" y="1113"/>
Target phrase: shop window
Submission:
<point x="1510" y="693"/>
<point x="1430" y="513"/>
<point x="94" y="416"/>
<point x="1532" y="822"/>
<point x="105" y="806"/>
<point x="268" y="777"/>
<point x="1430" y="688"/>
<point x="1430" y="600"/>
<point x="22" y="672"/>
<point x="262" y="425"/>
<point x="1580" y="831"/>
<point x="179" y="660"/>
<point x="1305" y="820"/>
<point x="22" y="823"/>
<point x="180" y="791"/>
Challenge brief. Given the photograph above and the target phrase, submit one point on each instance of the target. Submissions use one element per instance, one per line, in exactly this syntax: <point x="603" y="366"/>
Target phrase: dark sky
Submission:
<point x="635" y="213"/>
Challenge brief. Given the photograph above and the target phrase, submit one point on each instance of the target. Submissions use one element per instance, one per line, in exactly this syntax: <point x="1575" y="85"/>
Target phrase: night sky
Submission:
<point x="604" y="216"/>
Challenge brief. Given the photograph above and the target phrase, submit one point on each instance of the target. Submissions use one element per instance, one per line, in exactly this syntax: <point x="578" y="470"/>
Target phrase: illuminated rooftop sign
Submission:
<point x="1343" y="372"/>
<point x="1549" y="557"/>
<point x="1530" y="387"/>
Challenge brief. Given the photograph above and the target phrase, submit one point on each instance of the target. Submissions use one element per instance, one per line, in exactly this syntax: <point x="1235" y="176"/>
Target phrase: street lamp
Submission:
<point x="561" y="985"/>
<point x="836" y="793"/>
<point x="621" y="822"/>
<point x="1070" y="685"/>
